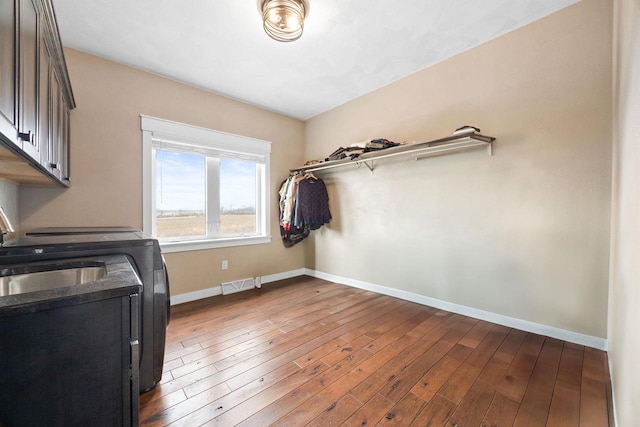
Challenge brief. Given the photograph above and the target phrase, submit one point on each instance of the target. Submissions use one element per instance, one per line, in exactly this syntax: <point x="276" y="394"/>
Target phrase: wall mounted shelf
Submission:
<point x="417" y="151"/>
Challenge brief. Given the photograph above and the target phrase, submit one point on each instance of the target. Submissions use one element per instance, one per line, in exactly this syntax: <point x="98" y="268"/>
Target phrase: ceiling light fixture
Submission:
<point x="283" y="20"/>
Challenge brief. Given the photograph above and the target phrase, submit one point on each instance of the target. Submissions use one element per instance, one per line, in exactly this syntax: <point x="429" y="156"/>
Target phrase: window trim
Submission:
<point x="214" y="142"/>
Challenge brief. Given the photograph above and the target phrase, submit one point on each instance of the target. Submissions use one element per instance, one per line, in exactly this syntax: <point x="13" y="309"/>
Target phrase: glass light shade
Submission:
<point x="283" y="20"/>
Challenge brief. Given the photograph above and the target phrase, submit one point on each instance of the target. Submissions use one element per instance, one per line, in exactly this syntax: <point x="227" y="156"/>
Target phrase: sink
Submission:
<point x="29" y="279"/>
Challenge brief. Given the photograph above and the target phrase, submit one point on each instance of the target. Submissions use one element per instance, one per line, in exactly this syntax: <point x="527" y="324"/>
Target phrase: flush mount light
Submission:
<point x="283" y="20"/>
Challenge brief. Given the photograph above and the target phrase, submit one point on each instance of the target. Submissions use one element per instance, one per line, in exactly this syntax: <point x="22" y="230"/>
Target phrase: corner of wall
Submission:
<point x="9" y="202"/>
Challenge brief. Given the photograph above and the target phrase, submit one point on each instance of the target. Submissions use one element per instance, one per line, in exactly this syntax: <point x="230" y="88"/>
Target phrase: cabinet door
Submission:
<point x="65" y="152"/>
<point x="8" y="67"/>
<point x="28" y="80"/>
<point x="58" y="149"/>
<point x="44" y="101"/>
<point x="68" y="366"/>
<point x="56" y="126"/>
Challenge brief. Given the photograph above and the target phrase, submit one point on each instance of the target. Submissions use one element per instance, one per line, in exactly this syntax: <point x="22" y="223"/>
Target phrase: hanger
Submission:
<point x="310" y="175"/>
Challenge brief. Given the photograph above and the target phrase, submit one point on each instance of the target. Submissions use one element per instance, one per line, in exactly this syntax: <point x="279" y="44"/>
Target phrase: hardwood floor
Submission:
<point x="308" y="352"/>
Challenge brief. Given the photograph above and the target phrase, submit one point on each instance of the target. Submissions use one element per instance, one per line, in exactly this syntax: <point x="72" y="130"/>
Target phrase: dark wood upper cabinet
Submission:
<point x="8" y="65"/>
<point x="35" y="96"/>
<point x="28" y="80"/>
<point x="44" y="137"/>
<point x="56" y="126"/>
<point x="65" y="146"/>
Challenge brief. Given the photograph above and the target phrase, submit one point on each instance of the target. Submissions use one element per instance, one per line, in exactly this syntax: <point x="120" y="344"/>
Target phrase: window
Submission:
<point x="203" y="188"/>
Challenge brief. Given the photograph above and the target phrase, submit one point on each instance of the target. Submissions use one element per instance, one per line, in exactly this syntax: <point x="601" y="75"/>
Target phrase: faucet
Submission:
<point x="5" y="226"/>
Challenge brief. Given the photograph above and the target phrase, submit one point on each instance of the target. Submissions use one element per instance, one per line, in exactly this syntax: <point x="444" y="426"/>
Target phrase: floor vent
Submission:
<point x="240" y="285"/>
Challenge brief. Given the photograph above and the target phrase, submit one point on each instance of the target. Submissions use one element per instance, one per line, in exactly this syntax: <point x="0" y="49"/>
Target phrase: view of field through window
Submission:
<point x="192" y="224"/>
<point x="181" y="195"/>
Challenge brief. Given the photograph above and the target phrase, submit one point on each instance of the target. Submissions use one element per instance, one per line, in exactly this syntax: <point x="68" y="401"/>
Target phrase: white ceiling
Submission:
<point x="349" y="47"/>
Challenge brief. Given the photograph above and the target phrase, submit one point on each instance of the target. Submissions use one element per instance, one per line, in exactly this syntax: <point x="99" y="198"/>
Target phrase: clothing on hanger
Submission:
<point x="303" y="205"/>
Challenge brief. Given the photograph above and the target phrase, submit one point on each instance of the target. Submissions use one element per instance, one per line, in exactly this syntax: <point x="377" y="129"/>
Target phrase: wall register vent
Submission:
<point x="240" y="285"/>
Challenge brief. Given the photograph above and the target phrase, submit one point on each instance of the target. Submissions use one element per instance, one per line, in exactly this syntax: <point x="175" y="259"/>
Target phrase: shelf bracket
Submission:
<point x="369" y="165"/>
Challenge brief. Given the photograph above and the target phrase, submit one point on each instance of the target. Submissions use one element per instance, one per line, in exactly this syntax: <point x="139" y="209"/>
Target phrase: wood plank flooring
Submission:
<point x="309" y="352"/>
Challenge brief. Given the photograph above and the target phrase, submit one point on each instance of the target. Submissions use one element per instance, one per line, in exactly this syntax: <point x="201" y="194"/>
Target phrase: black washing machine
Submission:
<point x="143" y="252"/>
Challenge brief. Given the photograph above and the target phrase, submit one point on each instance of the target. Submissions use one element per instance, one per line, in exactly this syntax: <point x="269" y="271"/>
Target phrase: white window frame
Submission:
<point x="157" y="133"/>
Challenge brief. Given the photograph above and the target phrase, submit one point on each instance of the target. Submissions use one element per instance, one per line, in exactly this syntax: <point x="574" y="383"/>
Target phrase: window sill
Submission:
<point x="197" y="245"/>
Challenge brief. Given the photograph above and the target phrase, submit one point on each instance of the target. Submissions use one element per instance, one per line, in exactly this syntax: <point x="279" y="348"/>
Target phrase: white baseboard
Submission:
<point x="286" y="275"/>
<point x="524" y="325"/>
<point x="194" y="296"/>
<point x="217" y="290"/>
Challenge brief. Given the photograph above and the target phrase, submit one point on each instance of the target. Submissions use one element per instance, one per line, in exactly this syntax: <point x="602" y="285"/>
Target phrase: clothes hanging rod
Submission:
<point x="418" y="151"/>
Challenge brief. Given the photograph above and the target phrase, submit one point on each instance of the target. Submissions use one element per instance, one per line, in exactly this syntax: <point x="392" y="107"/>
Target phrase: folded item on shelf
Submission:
<point x="342" y="153"/>
<point x="362" y="144"/>
<point x="466" y="129"/>
<point x="353" y="151"/>
<point x="380" y="144"/>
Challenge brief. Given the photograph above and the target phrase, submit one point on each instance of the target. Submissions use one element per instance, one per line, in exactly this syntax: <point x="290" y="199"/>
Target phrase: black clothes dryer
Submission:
<point x="143" y="252"/>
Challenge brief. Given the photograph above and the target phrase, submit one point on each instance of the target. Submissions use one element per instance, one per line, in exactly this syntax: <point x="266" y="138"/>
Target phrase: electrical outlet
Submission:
<point x="225" y="264"/>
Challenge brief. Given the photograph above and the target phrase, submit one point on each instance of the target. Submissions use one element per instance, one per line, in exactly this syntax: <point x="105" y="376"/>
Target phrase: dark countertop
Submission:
<point x="120" y="280"/>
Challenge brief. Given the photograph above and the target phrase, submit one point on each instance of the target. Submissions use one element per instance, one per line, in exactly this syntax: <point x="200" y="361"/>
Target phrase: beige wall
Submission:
<point x="106" y="162"/>
<point x="624" y="296"/>
<point x="524" y="233"/>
